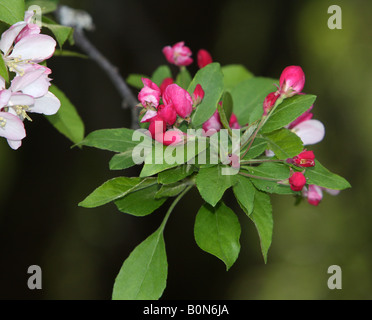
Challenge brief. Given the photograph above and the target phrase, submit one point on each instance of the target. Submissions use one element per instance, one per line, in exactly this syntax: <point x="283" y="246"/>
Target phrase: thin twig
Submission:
<point x="129" y="101"/>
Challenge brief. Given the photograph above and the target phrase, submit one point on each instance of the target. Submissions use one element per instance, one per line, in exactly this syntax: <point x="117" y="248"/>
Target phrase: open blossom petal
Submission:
<point x="149" y="115"/>
<point x="4" y="98"/>
<point x="36" y="47"/>
<point x="14" y="144"/>
<point x="9" y="36"/>
<point x="19" y="99"/>
<point x="149" y="94"/>
<point x="48" y="104"/>
<point x="11" y="127"/>
<point x="310" y="131"/>
<point x="34" y="82"/>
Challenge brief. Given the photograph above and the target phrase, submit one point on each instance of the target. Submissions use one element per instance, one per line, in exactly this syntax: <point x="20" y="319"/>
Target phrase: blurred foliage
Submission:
<point x="81" y="250"/>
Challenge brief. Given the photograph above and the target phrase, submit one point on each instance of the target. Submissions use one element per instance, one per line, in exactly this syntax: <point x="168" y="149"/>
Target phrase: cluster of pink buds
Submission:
<point x="22" y="49"/>
<point x="166" y="107"/>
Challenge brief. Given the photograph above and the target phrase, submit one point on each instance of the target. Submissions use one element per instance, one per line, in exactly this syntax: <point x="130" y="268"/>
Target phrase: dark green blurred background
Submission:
<point x="81" y="250"/>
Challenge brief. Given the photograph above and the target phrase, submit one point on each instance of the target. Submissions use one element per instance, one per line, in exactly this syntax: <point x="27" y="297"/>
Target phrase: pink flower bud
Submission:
<point x="233" y="123"/>
<point x="292" y="81"/>
<point x="269" y="101"/>
<point x="213" y="124"/>
<point x="179" y="98"/>
<point x="297" y="181"/>
<point x="173" y="137"/>
<point x="314" y="195"/>
<point x="167" y="113"/>
<point x="157" y="126"/>
<point x="198" y="95"/>
<point x="149" y="96"/>
<point x="304" y="159"/>
<point x="166" y="82"/>
<point x="204" y="58"/>
<point x="179" y="54"/>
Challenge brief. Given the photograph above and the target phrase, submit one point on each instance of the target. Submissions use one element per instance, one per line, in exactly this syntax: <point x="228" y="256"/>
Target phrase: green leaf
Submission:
<point x="117" y="140"/>
<point x="258" y="146"/>
<point x="223" y="118"/>
<point x="12" y="11"/>
<point x="140" y="203"/>
<point x="114" y="189"/>
<point x="160" y="74"/>
<point x="234" y="74"/>
<point x="67" y="120"/>
<point x="165" y="157"/>
<point x="248" y="97"/>
<point x="322" y="177"/>
<point x="62" y="33"/>
<point x="212" y="184"/>
<point x="284" y="143"/>
<point x="289" y="110"/>
<point x="217" y="231"/>
<point x="135" y="80"/>
<point x="68" y="53"/>
<point x="211" y="79"/>
<point x="263" y="220"/>
<point x="227" y="104"/>
<point x="270" y="170"/>
<point x="171" y="190"/>
<point x="143" y="275"/>
<point x="3" y="69"/>
<point x="46" y="6"/>
<point x="244" y="192"/>
<point x="175" y="174"/>
<point x="183" y="78"/>
<point x="122" y="160"/>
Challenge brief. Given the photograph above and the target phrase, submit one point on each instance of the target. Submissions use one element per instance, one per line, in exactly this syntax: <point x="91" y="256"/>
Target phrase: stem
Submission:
<point x="174" y="203"/>
<point x="260" y="161"/>
<point x="263" y="120"/>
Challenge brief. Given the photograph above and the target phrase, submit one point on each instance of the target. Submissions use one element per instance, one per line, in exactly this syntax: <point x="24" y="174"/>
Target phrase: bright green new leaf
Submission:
<point x="244" y="192"/>
<point x="289" y="110"/>
<point x="140" y="203"/>
<point x="248" y="97"/>
<point x="284" y="143"/>
<point x="212" y="184"/>
<point x="322" y="177"/>
<point x="211" y="79"/>
<point x="12" y="11"/>
<point x="234" y="74"/>
<point x="217" y="231"/>
<point x="263" y="220"/>
<point x="67" y="120"/>
<point x="227" y="104"/>
<point x="122" y="160"/>
<point x="114" y="189"/>
<point x="143" y="275"/>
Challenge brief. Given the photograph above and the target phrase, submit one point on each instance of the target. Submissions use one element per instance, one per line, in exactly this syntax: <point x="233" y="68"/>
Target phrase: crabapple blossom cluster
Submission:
<point x="310" y="131"/>
<point x="167" y="105"/>
<point x="22" y="49"/>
